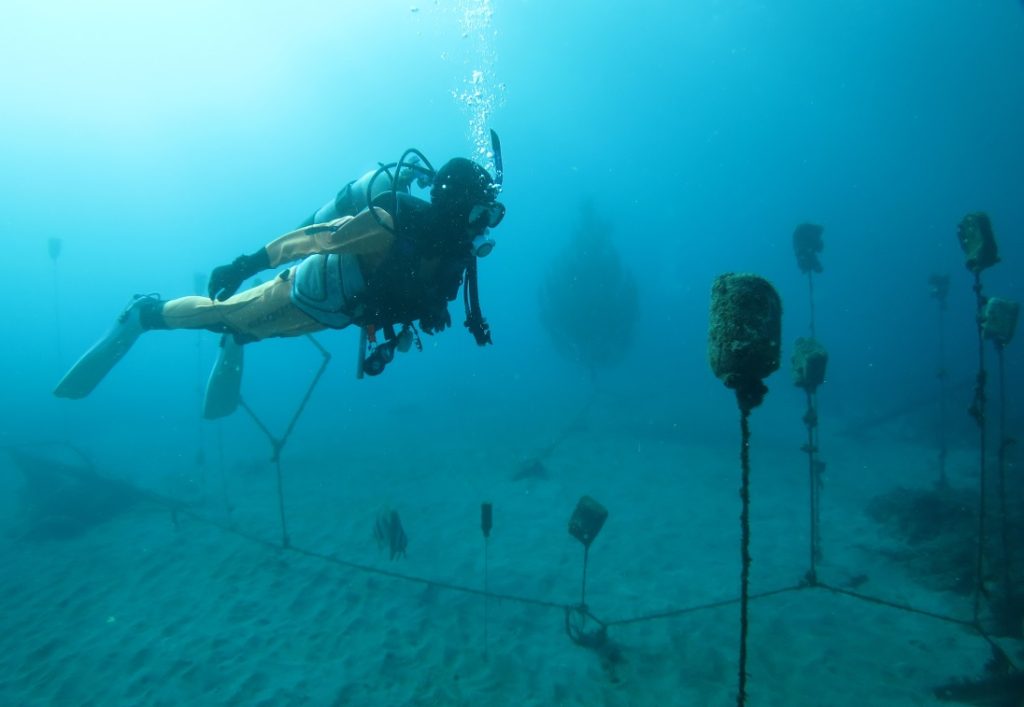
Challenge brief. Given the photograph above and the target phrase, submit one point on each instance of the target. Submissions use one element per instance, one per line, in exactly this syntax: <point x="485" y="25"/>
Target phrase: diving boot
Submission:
<point x="224" y="389"/>
<point x="141" y="314"/>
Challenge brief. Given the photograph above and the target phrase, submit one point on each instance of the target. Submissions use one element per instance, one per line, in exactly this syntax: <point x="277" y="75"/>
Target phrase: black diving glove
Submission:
<point x="435" y="321"/>
<point x="226" y="279"/>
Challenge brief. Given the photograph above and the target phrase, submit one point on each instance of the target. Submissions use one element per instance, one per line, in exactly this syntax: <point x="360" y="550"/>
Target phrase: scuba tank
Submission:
<point x="360" y="193"/>
<point x="351" y="199"/>
<point x="383" y="187"/>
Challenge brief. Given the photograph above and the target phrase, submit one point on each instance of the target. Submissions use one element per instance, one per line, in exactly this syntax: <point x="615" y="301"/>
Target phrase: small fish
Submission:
<point x="531" y="469"/>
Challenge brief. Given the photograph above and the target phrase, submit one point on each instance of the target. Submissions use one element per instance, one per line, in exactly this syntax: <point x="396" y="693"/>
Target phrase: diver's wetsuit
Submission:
<point x="276" y="308"/>
<point x="400" y="261"/>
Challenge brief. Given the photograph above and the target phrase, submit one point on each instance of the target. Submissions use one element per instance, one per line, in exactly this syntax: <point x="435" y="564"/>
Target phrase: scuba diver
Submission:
<point x="374" y="256"/>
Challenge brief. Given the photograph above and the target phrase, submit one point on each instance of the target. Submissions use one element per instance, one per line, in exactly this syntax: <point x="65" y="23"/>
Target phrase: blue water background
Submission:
<point x="159" y="140"/>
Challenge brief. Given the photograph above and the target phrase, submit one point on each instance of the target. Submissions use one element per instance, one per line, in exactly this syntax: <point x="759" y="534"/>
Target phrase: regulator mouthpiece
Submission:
<point x="482" y="246"/>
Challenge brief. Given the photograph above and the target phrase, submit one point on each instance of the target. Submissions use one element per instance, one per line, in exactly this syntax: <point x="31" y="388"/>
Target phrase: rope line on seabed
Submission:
<point x="179" y="509"/>
<point x="567" y="606"/>
<point x="278" y="444"/>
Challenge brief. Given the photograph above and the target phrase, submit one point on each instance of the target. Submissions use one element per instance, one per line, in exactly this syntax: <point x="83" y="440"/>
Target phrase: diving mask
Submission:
<point x="483" y="216"/>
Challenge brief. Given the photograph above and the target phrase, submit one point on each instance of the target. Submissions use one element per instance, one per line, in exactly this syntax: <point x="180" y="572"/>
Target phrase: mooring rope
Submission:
<point x="741" y="698"/>
<point x="977" y="411"/>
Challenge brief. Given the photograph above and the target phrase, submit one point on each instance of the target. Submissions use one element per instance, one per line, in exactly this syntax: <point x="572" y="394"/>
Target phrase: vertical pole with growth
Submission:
<point x="809" y="362"/>
<point x="486" y="523"/>
<point x="999" y="324"/>
<point x="744" y="337"/>
<point x="980" y="251"/>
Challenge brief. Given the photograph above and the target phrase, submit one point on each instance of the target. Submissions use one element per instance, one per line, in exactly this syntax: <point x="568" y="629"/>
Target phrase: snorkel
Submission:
<point x="499" y="170"/>
<point x="491" y="215"/>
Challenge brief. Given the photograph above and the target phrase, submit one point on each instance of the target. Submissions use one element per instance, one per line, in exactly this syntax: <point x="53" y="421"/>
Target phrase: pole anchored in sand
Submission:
<point x="999" y="323"/>
<point x="744" y="338"/>
<point x="278" y="443"/>
<point x="979" y="246"/>
<point x="809" y="362"/>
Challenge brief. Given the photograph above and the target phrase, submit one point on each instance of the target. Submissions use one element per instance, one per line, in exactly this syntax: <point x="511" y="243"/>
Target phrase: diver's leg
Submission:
<point x="260" y="312"/>
<point x="141" y="314"/>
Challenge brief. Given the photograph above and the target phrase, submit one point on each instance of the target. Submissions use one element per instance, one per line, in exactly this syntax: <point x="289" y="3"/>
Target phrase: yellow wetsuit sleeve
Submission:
<point x="356" y="235"/>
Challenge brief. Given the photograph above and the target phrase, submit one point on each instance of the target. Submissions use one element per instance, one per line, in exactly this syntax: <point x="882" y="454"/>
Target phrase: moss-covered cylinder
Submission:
<point x="978" y="242"/>
<point x="999" y="320"/>
<point x="807" y="244"/>
<point x="744" y="334"/>
<point x="809" y="362"/>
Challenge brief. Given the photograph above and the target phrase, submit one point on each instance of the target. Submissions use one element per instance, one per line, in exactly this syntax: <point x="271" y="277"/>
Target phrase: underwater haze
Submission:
<point x="151" y="557"/>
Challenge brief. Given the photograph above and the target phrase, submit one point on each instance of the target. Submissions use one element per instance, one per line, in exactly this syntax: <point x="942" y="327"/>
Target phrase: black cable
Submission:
<point x="487" y="595"/>
<point x="568" y="609"/>
<point x="741" y="698"/>
<point x="285" y="540"/>
<point x="811" y="422"/>
<point x="977" y="411"/>
<point x="583" y="584"/>
<point x="810" y="291"/>
<point x="901" y="607"/>
<point x="278" y="444"/>
<point x="673" y="613"/>
<point x="184" y="511"/>
<point x="309" y="392"/>
<point x="1004" y="518"/>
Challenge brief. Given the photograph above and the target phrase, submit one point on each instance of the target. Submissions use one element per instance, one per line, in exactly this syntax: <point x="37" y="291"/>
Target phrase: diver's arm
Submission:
<point x="355" y="235"/>
<point x="358" y="235"/>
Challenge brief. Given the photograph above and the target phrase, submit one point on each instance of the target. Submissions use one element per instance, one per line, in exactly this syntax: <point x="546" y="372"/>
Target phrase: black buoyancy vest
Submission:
<point x="400" y="290"/>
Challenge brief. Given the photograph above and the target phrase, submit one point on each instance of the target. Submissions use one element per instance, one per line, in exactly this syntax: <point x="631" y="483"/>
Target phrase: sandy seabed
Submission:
<point x="143" y="610"/>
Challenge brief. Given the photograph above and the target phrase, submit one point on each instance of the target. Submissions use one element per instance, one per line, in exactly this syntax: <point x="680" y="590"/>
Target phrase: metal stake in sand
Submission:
<point x="939" y="285"/>
<point x="486" y="523"/>
<point x="979" y="246"/>
<point x="743" y="349"/>
<point x="586" y="522"/>
<point x="809" y="361"/>
<point x="278" y="443"/>
<point x="807" y="244"/>
<point x="1000" y="322"/>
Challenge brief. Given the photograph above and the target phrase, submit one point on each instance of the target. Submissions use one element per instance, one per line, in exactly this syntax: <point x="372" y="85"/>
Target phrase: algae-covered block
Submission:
<point x="587" y="520"/>
<point x="807" y="243"/>
<point x="999" y="320"/>
<point x="809" y="362"/>
<point x="978" y="242"/>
